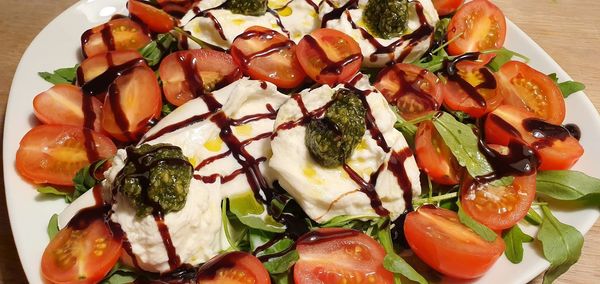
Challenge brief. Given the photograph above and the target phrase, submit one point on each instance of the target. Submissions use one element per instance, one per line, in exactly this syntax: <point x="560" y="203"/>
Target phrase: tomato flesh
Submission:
<point x="336" y="255"/>
<point x="234" y="267"/>
<point x="434" y="157"/>
<point x="446" y="7"/>
<point x="157" y="20"/>
<point x="438" y="238"/>
<point x="96" y="65"/>
<point x="477" y="26"/>
<point x="118" y="34"/>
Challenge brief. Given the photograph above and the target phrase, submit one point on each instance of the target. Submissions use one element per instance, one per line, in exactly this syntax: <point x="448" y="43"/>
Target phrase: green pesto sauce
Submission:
<point x="331" y="139"/>
<point x="386" y="18"/>
<point x="248" y="7"/>
<point x="155" y="177"/>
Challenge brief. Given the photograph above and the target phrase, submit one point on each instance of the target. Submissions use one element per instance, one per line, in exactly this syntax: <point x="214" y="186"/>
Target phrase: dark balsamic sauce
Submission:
<point x="278" y="21"/>
<point x="368" y="188"/>
<point x="521" y="160"/>
<point x="489" y="81"/>
<point x="574" y="130"/>
<point x="545" y="132"/>
<point x="271" y="49"/>
<point x="331" y="67"/>
<point x="163" y="229"/>
<point x="396" y="166"/>
<point x="410" y="88"/>
<point x="320" y="236"/>
<point x="336" y="13"/>
<point x="100" y="84"/>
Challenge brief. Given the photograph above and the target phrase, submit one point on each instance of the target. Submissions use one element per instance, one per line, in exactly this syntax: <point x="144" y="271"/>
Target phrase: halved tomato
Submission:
<point x="267" y="55"/>
<point x="336" y="255"/>
<point x="438" y="238"/>
<point x="531" y="90"/>
<point x="176" y="8"/>
<point x="446" y="7"/>
<point x="479" y="25"/>
<point x="496" y="206"/>
<point x="555" y="147"/>
<point x="65" y="104"/>
<point x="81" y="255"/>
<point x="157" y="20"/>
<point x="414" y="90"/>
<point x="233" y="267"/>
<point x="473" y="89"/>
<point x="329" y="56"/>
<point x="188" y="74"/>
<point x="133" y="101"/>
<point x="96" y="65"/>
<point x="117" y="34"/>
<point x="54" y="153"/>
<point x="434" y="157"/>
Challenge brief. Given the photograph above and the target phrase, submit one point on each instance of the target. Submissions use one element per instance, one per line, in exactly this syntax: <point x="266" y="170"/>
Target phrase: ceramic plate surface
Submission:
<point x="57" y="46"/>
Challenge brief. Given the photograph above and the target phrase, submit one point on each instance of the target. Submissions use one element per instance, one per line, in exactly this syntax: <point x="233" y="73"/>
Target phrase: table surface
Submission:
<point x="569" y="30"/>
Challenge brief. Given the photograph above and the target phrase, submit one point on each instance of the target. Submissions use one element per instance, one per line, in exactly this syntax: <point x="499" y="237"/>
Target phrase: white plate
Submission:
<point x="57" y="46"/>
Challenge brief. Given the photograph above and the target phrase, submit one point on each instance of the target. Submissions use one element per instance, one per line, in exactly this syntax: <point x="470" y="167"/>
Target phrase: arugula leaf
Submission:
<point x="61" y="76"/>
<point x="483" y="231"/>
<point x="533" y="217"/>
<point x="250" y="213"/>
<point x="119" y="274"/>
<point x="436" y="62"/>
<point x="53" y="226"/>
<point x="514" y="239"/>
<point x="567" y="88"/>
<point x="561" y="244"/>
<point x="344" y="220"/>
<point x="281" y="278"/>
<point x="503" y="56"/>
<point x="568" y="186"/>
<point x="85" y="179"/>
<point x="52" y="191"/>
<point x="392" y="261"/>
<point x="282" y="263"/>
<point x="463" y="144"/>
<point x="154" y="51"/>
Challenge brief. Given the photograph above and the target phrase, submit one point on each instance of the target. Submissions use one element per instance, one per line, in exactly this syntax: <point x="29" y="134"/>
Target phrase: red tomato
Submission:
<point x="81" y="255"/>
<point x="177" y="8"/>
<point x="434" y="157"/>
<point x="64" y="105"/>
<point x="157" y="20"/>
<point x="446" y="7"/>
<point x="336" y="255"/>
<point x="267" y="55"/>
<point x="117" y="34"/>
<point x="555" y="147"/>
<point x="94" y="66"/>
<point x="438" y="238"/>
<point x="498" y="207"/>
<point x="54" y="153"/>
<point x="233" y="268"/>
<point x="531" y="90"/>
<point x="481" y="26"/>
<point x="414" y="90"/>
<point x="473" y="90"/>
<point x="133" y="100"/>
<point x="187" y="74"/>
<point x="329" y="56"/>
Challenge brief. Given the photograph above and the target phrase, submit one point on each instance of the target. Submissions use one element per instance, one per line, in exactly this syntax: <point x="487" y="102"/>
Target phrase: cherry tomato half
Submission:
<point x="233" y="267"/>
<point x="479" y="25"/>
<point x="157" y="20"/>
<point x="117" y="34"/>
<point x="446" y="7"/>
<point x="434" y="157"/>
<point x="96" y="65"/>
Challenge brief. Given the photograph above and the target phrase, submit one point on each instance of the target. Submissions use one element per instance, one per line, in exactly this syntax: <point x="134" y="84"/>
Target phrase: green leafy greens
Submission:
<point x="154" y="51"/>
<point x="567" y="88"/>
<point x="392" y="261"/>
<point x="514" y="239"/>
<point x="483" y="231"/>
<point x="569" y="186"/>
<point x="53" y="226"/>
<point x="61" y="76"/>
<point x="84" y="180"/>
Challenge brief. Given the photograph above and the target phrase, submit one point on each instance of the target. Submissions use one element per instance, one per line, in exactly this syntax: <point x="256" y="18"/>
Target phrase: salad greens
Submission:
<point x="84" y="180"/>
<point x="61" y="76"/>
<point x="567" y="87"/>
<point x="514" y="239"/>
<point x="156" y="50"/>
<point x="483" y="231"/>
<point x="53" y="226"/>
<point x="568" y="186"/>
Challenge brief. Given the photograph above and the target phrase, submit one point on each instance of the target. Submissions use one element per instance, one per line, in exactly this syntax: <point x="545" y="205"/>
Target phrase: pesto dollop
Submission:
<point x="248" y="7"/>
<point x="386" y="18"/>
<point x="331" y="139"/>
<point x="155" y="178"/>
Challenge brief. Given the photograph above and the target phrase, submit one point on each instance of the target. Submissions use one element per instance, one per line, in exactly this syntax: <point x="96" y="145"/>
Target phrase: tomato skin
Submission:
<point x="63" y="105"/>
<point x="482" y="25"/>
<point x="133" y="100"/>
<point x="94" y="66"/>
<point x="123" y="33"/>
<point x="446" y="7"/>
<point x="531" y="90"/>
<point x="54" y="153"/>
<point x="507" y="122"/>
<point x="180" y="71"/>
<point x="82" y="255"/>
<point x="227" y="268"/>
<point x="329" y="56"/>
<point x="483" y="202"/>
<point x="414" y="90"/>
<point x="438" y="238"/>
<point x="157" y="20"/>
<point x="278" y="64"/>
<point x="434" y="157"/>
<point x="337" y="255"/>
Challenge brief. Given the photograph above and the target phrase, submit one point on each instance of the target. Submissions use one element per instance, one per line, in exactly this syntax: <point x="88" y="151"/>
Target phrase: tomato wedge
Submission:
<point x="54" y="153"/>
<point x="188" y="74"/>
<point x="117" y="34"/>
<point x="336" y="255"/>
<point x="555" y="147"/>
<point x="267" y="55"/>
<point x="81" y="254"/>
<point x="133" y="100"/>
<point x="496" y="206"/>
<point x="434" y="157"/>
<point x="157" y="20"/>
<point x="477" y="26"/>
<point x="414" y="90"/>
<point x="531" y="90"/>
<point x="233" y="268"/>
<point x="446" y="7"/>
<point x="63" y="104"/>
<point x="96" y="65"/>
<point x="329" y="56"/>
<point x="438" y="238"/>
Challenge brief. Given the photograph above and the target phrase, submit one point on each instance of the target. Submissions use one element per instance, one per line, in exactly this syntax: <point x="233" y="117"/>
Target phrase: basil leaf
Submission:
<point x="392" y="261"/>
<point x="52" y="228"/>
<point x="250" y="213"/>
<point x="568" y="186"/>
<point x="483" y="231"/>
<point x="283" y="263"/>
<point x="154" y="51"/>
<point x="561" y="244"/>
<point x="61" y="76"/>
<point x="567" y="88"/>
<point x="514" y="239"/>
<point x="463" y="144"/>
